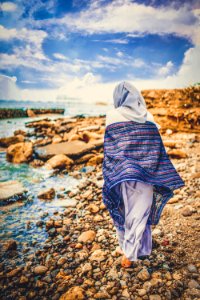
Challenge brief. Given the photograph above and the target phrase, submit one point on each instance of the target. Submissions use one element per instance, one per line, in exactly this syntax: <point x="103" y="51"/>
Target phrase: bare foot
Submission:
<point x="125" y="262"/>
<point x="119" y="250"/>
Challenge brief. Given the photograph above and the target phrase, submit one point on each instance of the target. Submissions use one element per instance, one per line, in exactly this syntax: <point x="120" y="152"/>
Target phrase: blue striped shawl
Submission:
<point x="135" y="151"/>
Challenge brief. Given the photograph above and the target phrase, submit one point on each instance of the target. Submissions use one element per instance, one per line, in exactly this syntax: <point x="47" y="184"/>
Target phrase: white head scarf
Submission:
<point x="130" y="103"/>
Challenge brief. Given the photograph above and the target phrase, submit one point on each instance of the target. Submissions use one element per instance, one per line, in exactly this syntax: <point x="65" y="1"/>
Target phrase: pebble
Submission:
<point x="193" y="284"/>
<point x="192" y="269"/>
<point x="98" y="255"/>
<point x="39" y="270"/>
<point x="143" y="275"/>
<point x="87" y="236"/>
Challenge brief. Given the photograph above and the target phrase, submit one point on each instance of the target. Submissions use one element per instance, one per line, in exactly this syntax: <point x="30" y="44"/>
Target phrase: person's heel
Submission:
<point x="125" y="262"/>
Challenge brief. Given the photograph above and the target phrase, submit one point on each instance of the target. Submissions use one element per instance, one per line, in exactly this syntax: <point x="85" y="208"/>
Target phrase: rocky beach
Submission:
<point x="57" y="240"/>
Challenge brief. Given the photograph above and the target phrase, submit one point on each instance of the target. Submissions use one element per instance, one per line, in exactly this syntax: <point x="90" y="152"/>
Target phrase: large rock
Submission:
<point x="20" y="152"/>
<point x="74" y="293"/>
<point x="59" y="161"/>
<point x="71" y="149"/>
<point x="7" y="141"/>
<point x="11" y="190"/>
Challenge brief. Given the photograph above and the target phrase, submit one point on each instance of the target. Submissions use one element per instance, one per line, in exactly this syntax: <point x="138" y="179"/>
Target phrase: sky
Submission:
<point x="79" y="50"/>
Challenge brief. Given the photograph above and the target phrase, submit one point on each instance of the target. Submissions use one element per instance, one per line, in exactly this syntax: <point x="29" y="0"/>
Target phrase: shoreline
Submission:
<point x="73" y="255"/>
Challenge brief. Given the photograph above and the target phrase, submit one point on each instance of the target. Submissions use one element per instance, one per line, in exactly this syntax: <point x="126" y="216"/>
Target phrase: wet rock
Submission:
<point x="20" y="152"/>
<point x="98" y="255"/>
<point x="74" y="293"/>
<point x="87" y="236"/>
<point x="143" y="275"/>
<point x="47" y="194"/>
<point x="59" y="161"/>
<point x="11" y="190"/>
<point x="39" y="270"/>
<point x="36" y="163"/>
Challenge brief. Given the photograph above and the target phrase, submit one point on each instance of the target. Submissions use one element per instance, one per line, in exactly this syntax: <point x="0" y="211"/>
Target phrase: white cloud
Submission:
<point x="165" y="70"/>
<point x="59" y="56"/>
<point x="8" y="6"/>
<point x="28" y="35"/>
<point x="8" y="88"/>
<point x="120" y="54"/>
<point x="91" y="88"/>
<point x="135" y="19"/>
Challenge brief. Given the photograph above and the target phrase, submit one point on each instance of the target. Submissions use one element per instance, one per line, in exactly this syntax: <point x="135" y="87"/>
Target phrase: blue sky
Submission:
<point x="81" y="49"/>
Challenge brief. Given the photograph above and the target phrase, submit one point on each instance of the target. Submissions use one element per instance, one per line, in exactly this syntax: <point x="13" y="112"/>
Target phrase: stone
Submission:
<point x="156" y="231"/>
<point x="142" y="292"/>
<point x="61" y="261"/>
<point x="176" y="153"/>
<point x="170" y="144"/>
<point x="143" y="275"/>
<point x="95" y="160"/>
<point x="191" y="268"/>
<point x="71" y="149"/>
<point x="39" y="270"/>
<point x="87" y="236"/>
<point x="10" y="245"/>
<point x="13" y="272"/>
<point x="88" y="128"/>
<point x="154" y="297"/>
<point x="187" y="211"/>
<point x="66" y="203"/>
<point x="56" y="139"/>
<point x="59" y="161"/>
<point x="98" y="255"/>
<point x="193" y="284"/>
<point x="11" y="190"/>
<point x="74" y="293"/>
<point x="86" y="268"/>
<point x="102" y="295"/>
<point x="20" y="152"/>
<point x="84" y="158"/>
<point x="30" y="113"/>
<point x="7" y="141"/>
<point x="93" y="208"/>
<point x="47" y="194"/>
<point x="98" y="218"/>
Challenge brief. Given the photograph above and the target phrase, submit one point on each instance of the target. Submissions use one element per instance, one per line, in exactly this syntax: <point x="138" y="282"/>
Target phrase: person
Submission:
<point x="139" y="177"/>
